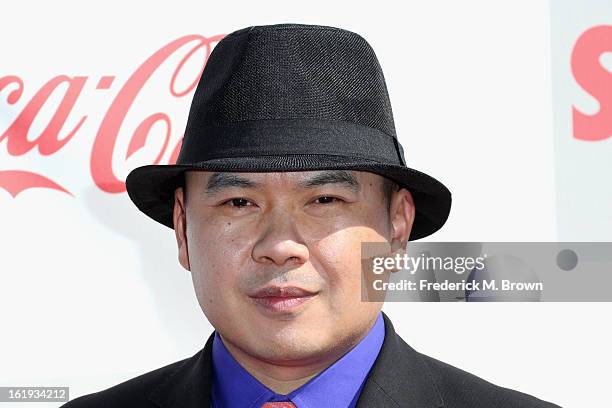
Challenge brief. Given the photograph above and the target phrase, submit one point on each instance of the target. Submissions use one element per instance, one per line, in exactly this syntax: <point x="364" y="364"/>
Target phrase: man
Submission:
<point x="289" y="162"/>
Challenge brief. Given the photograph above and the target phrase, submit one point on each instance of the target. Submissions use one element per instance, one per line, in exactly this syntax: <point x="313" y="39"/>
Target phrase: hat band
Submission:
<point x="288" y="136"/>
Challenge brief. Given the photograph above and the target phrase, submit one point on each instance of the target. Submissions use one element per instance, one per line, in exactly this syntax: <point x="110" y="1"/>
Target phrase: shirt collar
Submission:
<point x="336" y="386"/>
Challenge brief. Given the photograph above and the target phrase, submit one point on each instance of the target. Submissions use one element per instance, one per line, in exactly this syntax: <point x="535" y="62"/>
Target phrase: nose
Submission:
<point x="280" y="242"/>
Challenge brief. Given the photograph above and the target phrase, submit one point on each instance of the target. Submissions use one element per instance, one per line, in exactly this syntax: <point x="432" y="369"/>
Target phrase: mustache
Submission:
<point x="311" y="282"/>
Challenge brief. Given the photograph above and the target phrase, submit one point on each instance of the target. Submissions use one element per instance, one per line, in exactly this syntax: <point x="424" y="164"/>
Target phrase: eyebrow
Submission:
<point x="221" y="180"/>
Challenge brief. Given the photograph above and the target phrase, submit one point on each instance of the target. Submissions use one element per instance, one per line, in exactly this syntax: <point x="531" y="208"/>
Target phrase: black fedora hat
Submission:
<point x="291" y="97"/>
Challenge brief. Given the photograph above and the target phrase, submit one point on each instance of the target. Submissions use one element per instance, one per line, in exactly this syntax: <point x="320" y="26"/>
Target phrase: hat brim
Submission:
<point x="152" y="187"/>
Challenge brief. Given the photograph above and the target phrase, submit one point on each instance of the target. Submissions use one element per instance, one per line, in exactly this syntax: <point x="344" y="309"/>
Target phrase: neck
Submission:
<point x="283" y="379"/>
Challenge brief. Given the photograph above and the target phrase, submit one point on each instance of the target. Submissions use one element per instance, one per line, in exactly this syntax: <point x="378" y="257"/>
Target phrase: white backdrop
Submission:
<point x="91" y="291"/>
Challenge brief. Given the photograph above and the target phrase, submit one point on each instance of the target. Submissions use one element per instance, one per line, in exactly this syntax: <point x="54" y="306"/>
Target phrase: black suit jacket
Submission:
<point x="400" y="377"/>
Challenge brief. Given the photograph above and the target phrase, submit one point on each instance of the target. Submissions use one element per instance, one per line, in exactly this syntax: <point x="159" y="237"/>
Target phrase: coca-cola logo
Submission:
<point x="596" y="80"/>
<point x="103" y="149"/>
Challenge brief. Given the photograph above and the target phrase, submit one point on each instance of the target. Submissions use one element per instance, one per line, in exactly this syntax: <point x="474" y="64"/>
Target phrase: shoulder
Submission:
<point x="132" y="393"/>
<point x="411" y="378"/>
<point x="459" y="388"/>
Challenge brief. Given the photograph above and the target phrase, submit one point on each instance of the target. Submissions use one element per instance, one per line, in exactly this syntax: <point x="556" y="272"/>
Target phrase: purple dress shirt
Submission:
<point x="339" y="385"/>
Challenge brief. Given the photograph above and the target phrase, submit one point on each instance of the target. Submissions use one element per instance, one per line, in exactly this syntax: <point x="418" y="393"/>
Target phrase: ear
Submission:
<point x="180" y="227"/>
<point x="402" y="213"/>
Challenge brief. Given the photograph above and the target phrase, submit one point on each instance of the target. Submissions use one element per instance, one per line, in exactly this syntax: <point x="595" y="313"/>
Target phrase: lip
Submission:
<point x="282" y="299"/>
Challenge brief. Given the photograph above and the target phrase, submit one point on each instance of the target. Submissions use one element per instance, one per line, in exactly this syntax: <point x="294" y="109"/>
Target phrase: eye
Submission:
<point x="328" y="199"/>
<point x="238" y="202"/>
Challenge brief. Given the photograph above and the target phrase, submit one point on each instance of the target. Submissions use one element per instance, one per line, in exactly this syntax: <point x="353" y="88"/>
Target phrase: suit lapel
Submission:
<point x="190" y="385"/>
<point x="399" y="378"/>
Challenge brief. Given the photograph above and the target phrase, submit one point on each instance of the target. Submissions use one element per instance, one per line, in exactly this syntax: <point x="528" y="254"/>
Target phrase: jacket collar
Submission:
<point x="399" y="378"/>
<point x="189" y="386"/>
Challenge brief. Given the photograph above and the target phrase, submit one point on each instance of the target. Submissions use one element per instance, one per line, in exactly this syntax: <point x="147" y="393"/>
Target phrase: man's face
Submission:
<point x="275" y="257"/>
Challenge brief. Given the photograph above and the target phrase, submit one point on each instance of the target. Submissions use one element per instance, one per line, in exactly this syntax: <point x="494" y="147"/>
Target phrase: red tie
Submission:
<point x="284" y="404"/>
